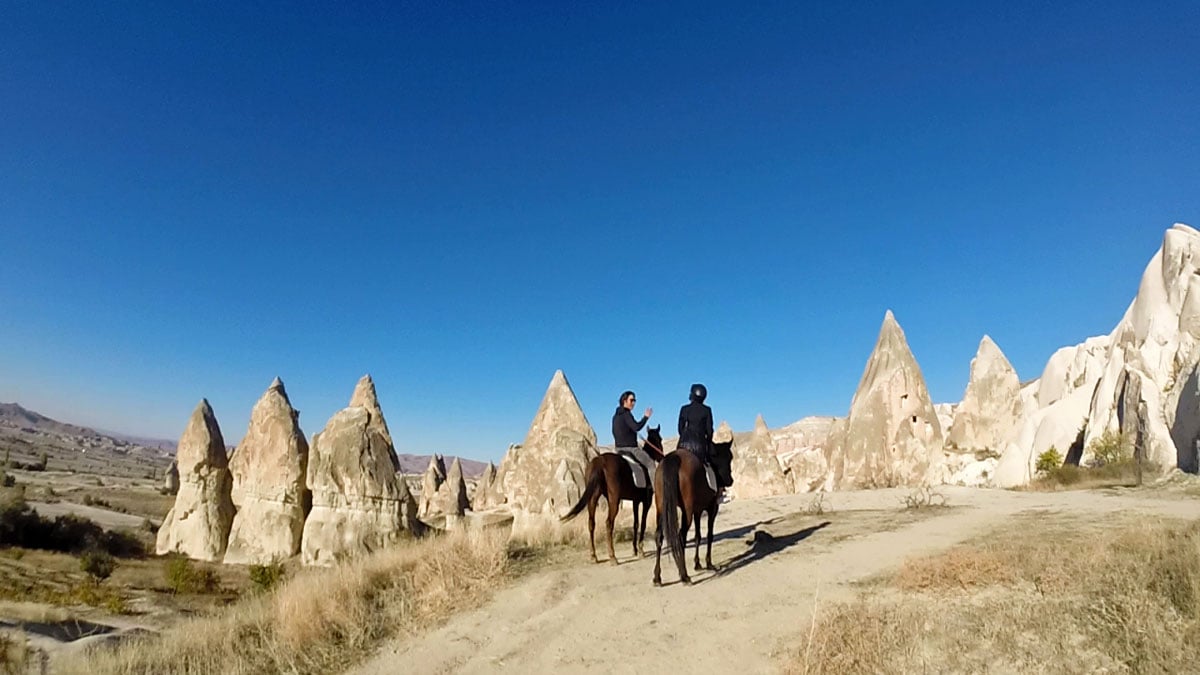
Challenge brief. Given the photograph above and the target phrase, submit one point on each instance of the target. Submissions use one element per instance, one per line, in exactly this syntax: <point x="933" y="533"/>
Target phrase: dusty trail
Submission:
<point x="776" y="562"/>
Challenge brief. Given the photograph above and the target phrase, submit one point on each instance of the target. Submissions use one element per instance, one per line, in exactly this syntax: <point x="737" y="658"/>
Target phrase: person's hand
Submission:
<point x="649" y="412"/>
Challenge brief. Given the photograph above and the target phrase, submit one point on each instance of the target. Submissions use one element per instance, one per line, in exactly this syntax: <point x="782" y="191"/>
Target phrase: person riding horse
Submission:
<point x="625" y="432"/>
<point x="696" y="429"/>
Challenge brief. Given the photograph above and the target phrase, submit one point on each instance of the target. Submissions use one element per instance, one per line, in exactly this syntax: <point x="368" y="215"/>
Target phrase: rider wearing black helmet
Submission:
<point x="696" y="424"/>
<point x="696" y="430"/>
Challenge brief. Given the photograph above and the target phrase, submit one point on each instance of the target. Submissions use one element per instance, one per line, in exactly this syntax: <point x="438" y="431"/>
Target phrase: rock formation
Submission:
<point x="802" y="449"/>
<point x="269" y="491"/>
<point x="544" y="476"/>
<point x="198" y="524"/>
<point x="756" y="469"/>
<point x="452" y="496"/>
<point x="1149" y="361"/>
<point x="481" y="497"/>
<point x="358" y="499"/>
<point x="432" y="479"/>
<point x="892" y="435"/>
<point x="722" y="433"/>
<point x="171" y="479"/>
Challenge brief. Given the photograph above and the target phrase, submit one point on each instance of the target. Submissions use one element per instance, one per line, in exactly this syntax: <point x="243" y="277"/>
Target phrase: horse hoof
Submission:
<point x="657" y="581"/>
<point x="686" y="581"/>
<point x="711" y="567"/>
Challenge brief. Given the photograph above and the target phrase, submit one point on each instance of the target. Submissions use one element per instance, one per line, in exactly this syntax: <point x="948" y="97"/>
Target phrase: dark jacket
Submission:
<point x="696" y="427"/>
<point x="625" y="429"/>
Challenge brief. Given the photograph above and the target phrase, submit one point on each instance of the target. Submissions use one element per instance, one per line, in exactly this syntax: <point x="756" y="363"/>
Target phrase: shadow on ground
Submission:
<point x="765" y="544"/>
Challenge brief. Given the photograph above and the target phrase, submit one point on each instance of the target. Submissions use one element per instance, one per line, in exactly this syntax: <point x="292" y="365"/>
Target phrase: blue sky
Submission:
<point x="462" y="198"/>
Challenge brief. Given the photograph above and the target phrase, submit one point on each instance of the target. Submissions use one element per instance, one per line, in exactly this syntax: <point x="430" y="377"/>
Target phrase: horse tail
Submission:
<point x="670" y="508"/>
<point x="595" y="482"/>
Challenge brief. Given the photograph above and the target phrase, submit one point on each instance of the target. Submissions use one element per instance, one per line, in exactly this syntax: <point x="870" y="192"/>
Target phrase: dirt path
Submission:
<point x="776" y="563"/>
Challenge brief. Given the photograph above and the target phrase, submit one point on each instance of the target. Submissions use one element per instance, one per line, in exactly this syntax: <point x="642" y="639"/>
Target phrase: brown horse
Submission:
<point x="680" y="484"/>
<point x="610" y="476"/>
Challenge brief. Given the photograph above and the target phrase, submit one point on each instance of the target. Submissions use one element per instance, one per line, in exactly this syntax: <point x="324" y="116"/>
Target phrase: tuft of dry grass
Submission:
<point x="1060" y="600"/>
<point x="323" y="620"/>
<point x="14" y="656"/>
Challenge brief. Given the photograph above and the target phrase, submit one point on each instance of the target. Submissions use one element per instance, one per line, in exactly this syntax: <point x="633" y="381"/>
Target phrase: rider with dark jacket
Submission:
<point x="696" y="424"/>
<point x="624" y="427"/>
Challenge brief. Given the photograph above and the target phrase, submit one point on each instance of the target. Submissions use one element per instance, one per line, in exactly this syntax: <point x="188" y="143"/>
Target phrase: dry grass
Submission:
<point x="323" y="620"/>
<point x="1030" y="599"/>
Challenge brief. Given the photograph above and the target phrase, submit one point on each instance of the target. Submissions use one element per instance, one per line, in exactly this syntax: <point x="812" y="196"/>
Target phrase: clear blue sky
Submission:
<point x="462" y="198"/>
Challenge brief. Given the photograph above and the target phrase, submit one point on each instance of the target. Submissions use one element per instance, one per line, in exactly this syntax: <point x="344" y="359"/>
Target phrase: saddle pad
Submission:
<point x="711" y="476"/>
<point x="639" y="471"/>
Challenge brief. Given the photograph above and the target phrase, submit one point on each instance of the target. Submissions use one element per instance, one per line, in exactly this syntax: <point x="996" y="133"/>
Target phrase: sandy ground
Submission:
<point x="777" y="564"/>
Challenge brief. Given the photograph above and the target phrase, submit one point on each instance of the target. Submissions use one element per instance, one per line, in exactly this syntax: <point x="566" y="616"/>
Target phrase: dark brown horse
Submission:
<point x="680" y="485"/>
<point x="610" y="476"/>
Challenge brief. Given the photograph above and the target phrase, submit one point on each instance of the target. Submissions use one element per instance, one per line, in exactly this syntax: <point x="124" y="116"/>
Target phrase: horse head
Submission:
<point x="653" y="444"/>
<point x="722" y="461"/>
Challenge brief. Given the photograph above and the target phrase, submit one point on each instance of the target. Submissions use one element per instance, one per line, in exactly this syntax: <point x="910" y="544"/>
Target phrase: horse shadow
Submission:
<point x="765" y="544"/>
<point x="739" y="532"/>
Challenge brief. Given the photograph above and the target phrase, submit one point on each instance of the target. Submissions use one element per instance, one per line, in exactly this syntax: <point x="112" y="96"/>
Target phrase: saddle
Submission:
<point x="641" y="466"/>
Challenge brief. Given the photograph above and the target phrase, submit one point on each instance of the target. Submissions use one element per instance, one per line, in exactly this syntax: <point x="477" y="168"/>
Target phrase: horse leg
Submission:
<point x="635" y="526"/>
<point x="683" y="531"/>
<point x="645" y="514"/>
<point x="592" y="504"/>
<point x="658" y="542"/>
<point x="698" y="542"/>
<point x="614" y="507"/>
<point x="712" y="518"/>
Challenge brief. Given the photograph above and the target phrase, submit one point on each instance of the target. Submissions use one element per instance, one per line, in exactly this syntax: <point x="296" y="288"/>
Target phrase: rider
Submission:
<point x="625" y="429"/>
<point x="696" y="427"/>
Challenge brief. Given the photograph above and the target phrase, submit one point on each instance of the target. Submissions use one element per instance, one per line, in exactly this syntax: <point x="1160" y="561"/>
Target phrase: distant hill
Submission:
<point x="13" y="415"/>
<point x="418" y="464"/>
<point x="35" y="428"/>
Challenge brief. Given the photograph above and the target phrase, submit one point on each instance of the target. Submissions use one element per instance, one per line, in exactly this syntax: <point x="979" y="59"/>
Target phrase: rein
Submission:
<point x="647" y="442"/>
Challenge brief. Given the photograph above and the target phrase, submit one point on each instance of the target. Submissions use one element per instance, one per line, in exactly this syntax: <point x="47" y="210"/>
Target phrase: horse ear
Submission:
<point x="656" y="428"/>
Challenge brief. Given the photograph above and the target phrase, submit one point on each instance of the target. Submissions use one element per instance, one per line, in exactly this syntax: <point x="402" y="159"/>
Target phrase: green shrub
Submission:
<point x="184" y="577"/>
<point x="1049" y="461"/>
<point x="21" y="526"/>
<point x="1111" y="449"/>
<point x="266" y="577"/>
<point x="98" y="565"/>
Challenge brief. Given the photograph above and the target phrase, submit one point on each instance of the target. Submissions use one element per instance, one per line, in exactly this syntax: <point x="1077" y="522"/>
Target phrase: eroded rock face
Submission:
<point x="431" y="481"/>
<point x="1154" y="348"/>
<point x="358" y="500"/>
<point x="269" y="489"/>
<point x="892" y="435"/>
<point x="803" y="449"/>
<point x="723" y="433"/>
<point x="483" y="487"/>
<point x="452" y="496"/>
<point x="171" y="480"/>
<point x="991" y="406"/>
<point x="756" y="469"/>
<point x="198" y="524"/>
<point x="544" y="476"/>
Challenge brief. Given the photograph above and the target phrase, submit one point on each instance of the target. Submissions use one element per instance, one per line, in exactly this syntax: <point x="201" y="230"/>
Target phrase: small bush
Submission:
<point x="6" y="480"/>
<point x="98" y="565"/>
<point x="266" y="577"/>
<point x="923" y="498"/>
<point x="184" y="577"/>
<point x="1049" y="461"/>
<point x="1111" y="449"/>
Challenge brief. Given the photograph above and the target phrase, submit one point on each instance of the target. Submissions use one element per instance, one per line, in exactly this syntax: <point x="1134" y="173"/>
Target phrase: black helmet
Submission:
<point x="699" y="393"/>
